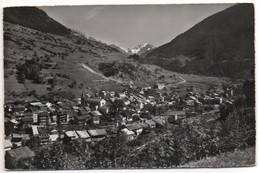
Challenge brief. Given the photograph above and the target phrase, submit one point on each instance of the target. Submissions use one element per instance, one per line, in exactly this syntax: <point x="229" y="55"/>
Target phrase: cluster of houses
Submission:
<point x="93" y="118"/>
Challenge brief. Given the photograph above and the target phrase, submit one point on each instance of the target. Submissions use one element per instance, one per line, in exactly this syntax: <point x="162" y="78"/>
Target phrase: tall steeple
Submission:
<point x="83" y="99"/>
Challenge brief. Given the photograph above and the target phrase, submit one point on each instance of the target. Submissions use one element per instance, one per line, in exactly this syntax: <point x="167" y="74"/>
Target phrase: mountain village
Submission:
<point x="92" y="118"/>
<point x="72" y="102"/>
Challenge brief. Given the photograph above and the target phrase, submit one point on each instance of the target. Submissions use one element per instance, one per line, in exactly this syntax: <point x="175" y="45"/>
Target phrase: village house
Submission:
<point x="18" y="158"/>
<point x="150" y="123"/>
<point x="53" y="137"/>
<point x="160" y="121"/>
<point x="87" y="109"/>
<point x="43" y="118"/>
<point x="176" y="114"/>
<point x="160" y="86"/>
<point x="121" y="120"/>
<point x="95" y="113"/>
<point x="40" y="134"/>
<point x="137" y="128"/>
<point x="18" y="108"/>
<point x="83" y="134"/>
<point x="44" y="137"/>
<point x="36" y="104"/>
<point x="93" y="103"/>
<point x="8" y="144"/>
<point x="70" y="136"/>
<point x="95" y="120"/>
<point x="35" y="132"/>
<point x="121" y="95"/>
<point x="63" y="117"/>
<point x="128" y="134"/>
<point x="112" y="93"/>
<point x="27" y="121"/>
<point x="82" y="120"/>
<point x="25" y="138"/>
<point x="16" y="140"/>
<point x="97" y="134"/>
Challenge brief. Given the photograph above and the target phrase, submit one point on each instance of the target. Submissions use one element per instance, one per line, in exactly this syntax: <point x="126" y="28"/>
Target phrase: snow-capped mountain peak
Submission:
<point x="140" y="49"/>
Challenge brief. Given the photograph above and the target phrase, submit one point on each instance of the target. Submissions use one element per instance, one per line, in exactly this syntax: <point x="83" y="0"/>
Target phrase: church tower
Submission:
<point x="83" y="99"/>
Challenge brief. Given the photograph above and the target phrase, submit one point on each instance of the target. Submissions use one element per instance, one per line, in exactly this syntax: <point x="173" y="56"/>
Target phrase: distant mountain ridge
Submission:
<point x="141" y="49"/>
<point x="220" y="45"/>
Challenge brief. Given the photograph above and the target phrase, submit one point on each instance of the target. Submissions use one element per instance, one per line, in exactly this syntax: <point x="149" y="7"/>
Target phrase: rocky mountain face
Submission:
<point x="220" y="45"/>
<point x="141" y="49"/>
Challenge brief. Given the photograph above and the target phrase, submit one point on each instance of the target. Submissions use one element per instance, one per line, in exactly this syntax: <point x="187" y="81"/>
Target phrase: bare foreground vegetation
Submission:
<point x="238" y="158"/>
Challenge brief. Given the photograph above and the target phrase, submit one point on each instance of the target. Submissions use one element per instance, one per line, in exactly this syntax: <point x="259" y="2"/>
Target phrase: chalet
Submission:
<point x="72" y="114"/>
<point x="75" y="107"/>
<point x="63" y="117"/>
<point x="105" y="109"/>
<point x="18" y="158"/>
<point x="160" y="86"/>
<point x="190" y="102"/>
<point x="112" y="93"/>
<point x="121" y="95"/>
<point x="18" y="108"/>
<point x="121" y="120"/>
<point x="93" y="103"/>
<point x="54" y="118"/>
<point x="82" y="120"/>
<point x="97" y="134"/>
<point x="96" y="120"/>
<point x="126" y="102"/>
<point x="95" y="113"/>
<point x="44" y="137"/>
<point x="177" y="114"/>
<point x="83" y="134"/>
<point x="160" y="121"/>
<point x="53" y="137"/>
<point x="35" y="118"/>
<point x="129" y="117"/>
<point x="27" y="121"/>
<point x="82" y="111"/>
<point x="137" y="128"/>
<point x="43" y="118"/>
<point x="128" y="134"/>
<point x="150" y="123"/>
<point x="16" y="140"/>
<point x="8" y="144"/>
<point x="36" y="104"/>
<point x="70" y="136"/>
<point x="35" y="131"/>
<point x="54" y="131"/>
<point x="25" y="139"/>
<point x="87" y="109"/>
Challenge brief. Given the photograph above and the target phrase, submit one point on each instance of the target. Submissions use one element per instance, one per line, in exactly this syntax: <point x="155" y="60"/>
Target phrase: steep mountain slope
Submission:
<point x="44" y="63"/>
<point x="34" y="18"/>
<point x="119" y="48"/>
<point x="220" y="45"/>
<point x="141" y="49"/>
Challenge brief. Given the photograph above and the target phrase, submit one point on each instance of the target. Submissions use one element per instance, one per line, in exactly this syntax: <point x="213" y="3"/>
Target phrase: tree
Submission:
<point x="50" y="157"/>
<point x="249" y="91"/>
<point x="54" y="82"/>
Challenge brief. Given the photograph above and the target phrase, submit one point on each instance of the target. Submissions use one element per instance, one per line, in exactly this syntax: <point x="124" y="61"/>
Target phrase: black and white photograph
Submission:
<point x="129" y="86"/>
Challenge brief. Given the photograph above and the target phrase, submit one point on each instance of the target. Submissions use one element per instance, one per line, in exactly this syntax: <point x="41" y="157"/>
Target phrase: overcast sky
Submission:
<point x="129" y="26"/>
